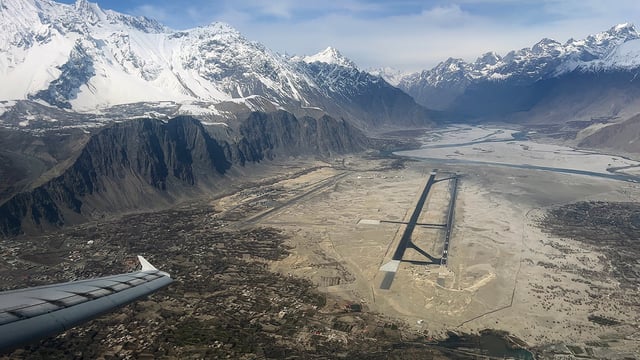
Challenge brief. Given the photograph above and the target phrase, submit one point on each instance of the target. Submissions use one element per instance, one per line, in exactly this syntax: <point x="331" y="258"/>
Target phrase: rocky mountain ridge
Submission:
<point x="521" y="77"/>
<point x="149" y="164"/>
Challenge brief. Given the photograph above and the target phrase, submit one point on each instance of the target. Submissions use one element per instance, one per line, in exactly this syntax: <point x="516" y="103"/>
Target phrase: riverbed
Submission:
<point x="485" y="145"/>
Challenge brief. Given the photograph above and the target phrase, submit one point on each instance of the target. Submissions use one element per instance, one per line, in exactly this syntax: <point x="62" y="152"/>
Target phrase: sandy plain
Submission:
<point x="504" y="271"/>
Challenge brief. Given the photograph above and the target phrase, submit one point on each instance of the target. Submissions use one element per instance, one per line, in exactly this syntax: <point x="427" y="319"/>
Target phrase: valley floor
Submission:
<point x="509" y="267"/>
<point x="504" y="271"/>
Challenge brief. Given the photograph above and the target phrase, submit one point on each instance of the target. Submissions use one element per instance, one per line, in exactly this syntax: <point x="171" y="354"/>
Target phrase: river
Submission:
<point x="509" y="148"/>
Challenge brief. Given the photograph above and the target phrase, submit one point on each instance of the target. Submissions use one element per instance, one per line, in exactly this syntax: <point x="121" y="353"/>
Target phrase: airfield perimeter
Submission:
<point x="503" y="272"/>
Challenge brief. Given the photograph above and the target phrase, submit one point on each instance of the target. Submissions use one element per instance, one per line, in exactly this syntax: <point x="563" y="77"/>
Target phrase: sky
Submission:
<point x="408" y="35"/>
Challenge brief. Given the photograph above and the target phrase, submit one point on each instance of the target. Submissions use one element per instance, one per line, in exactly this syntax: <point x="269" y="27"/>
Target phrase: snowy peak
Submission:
<point x="90" y="11"/>
<point x="614" y="50"/>
<point x="25" y="22"/>
<point x="94" y="15"/>
<point x="547" y="47"/>
<point x="220" y="29"/>
<point x="391" y="75"/>
<point x="330" y="56"/>
<point x="547" y="58"/>
<point x="83" y="5"/>
<point x="452" y="65"/>
<point x="623" y="30"/>
<point x="82" y="57"/>
<point x="490" y="58"/>
<point x="598" y="46"/>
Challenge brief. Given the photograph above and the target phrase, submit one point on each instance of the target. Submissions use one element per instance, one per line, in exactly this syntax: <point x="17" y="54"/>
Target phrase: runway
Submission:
<point x="406" y="236"/>
<point x="405" y="242"/>
<point x="448" y="230"/>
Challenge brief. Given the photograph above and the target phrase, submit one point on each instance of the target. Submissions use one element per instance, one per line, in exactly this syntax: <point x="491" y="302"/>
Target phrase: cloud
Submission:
<point x="419" y="40"/>
<point x="412" y="41"/>
<point x="151" y="11"/>
<point x="282" y="9"/>
<point x="445" y="15"/>
<point x="407" y="34"/>
<point x="261" y="10"/>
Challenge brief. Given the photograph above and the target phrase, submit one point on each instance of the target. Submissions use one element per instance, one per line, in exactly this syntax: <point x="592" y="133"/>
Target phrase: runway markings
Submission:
<point x="391" y="266"/>
<point x="368" y="222"/>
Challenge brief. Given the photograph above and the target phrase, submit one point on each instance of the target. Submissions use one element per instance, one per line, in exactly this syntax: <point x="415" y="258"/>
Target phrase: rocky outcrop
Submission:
<point x="147" y="164"/>
<point x="268" y="135"/>
<point x="73" y="74"/>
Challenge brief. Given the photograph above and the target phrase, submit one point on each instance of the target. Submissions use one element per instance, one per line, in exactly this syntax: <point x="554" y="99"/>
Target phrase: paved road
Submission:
<point x="417" y="224"/>
<point x="613" y="175"/>
<point x="311" y="191"/>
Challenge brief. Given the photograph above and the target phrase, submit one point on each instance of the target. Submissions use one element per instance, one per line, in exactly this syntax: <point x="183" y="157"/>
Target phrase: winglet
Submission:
<point x="146" y="266"/>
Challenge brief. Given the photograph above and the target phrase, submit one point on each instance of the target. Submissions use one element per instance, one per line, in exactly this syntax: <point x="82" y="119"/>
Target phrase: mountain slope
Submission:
<point x="360" y="95"/>
<point x="623" y="136"/>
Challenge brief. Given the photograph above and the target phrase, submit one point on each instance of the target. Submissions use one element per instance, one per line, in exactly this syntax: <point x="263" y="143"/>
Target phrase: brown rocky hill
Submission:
<point x="622" y="136"/>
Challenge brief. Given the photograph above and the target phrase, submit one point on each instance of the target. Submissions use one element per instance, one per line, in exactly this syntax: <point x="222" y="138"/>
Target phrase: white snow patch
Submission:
<point x="390" y="75"/>
<point x="213" y="123"/>
<point x="498" y="76"/>
<point x="626" y="55"/>
<point x="199" y="109"/>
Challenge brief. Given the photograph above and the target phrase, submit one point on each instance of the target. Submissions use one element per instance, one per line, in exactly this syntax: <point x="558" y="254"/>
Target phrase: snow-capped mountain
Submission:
<point x="361" y="95"/>
<point x="447" y="85"/>
<point x="330" y="56"/>
<point x="357" y="93"/>
<point x="83" y="58"/>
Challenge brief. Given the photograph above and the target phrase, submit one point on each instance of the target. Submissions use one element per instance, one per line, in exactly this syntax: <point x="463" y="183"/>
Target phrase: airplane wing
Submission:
<point x="33" y="313"/>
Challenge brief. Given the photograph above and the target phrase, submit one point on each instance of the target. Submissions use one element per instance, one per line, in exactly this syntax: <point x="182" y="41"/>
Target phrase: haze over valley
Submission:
<point x="307" y="207"/>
